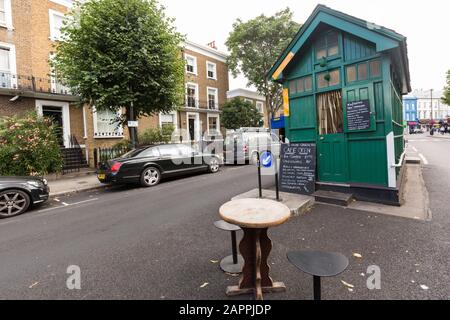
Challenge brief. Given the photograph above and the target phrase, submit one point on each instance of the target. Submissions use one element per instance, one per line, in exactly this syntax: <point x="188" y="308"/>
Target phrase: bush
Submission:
<point x="28" y="146"/>
<point x="156" y="135"/>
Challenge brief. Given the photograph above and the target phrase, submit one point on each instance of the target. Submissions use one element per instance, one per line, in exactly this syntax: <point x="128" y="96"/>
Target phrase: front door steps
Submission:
<point x="331" y="197"/>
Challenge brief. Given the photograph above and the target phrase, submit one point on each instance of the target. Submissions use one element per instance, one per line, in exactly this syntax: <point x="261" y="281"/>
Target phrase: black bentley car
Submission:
<point x="148" y="165"/>
<point x="17" y="194"/>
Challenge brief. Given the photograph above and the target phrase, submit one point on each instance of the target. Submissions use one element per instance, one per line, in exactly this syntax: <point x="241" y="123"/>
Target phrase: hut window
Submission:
<point x="351" y="73"/>
<point x="308" y="83"/>
<point x="327" y="46"/>
<point x="362" y="71"/>
<point x="330" y="112"/>
<point x="293" y="87"/>
<point x="328" y="79"/>
<point x="300" y="85"/>
<point x="375" y="69"/>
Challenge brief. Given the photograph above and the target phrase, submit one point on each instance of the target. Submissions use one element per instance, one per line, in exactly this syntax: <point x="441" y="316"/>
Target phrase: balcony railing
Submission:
<point x="32" y="84"/>
<point x="191" y="102"/>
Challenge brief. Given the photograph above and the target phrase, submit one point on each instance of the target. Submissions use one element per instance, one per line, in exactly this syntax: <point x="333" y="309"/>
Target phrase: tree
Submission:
<point x="238" y="113"/>
<point x="122" y="54"/>
<point x="446" y="97"/>
<point x="255" y="46"/>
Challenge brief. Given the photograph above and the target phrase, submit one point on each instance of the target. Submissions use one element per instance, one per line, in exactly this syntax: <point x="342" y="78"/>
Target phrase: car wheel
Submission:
<point x="13" y="203"/>
<point x="150" y="177"/>
<point x="214" y="165"/>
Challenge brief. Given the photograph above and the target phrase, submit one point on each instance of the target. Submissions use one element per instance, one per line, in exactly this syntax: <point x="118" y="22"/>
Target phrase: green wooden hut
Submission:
<point x="343" y="81"/>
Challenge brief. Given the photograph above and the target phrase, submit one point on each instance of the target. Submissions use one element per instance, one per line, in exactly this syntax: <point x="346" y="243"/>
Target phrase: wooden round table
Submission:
<point x="255" y="217"/>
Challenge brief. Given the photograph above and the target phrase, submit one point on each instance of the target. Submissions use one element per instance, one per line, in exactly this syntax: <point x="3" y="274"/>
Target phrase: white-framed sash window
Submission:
<point x="212" y="98"/>
<point x="56" y="23"/>
<point x="192" y="95"/>
<point x="211" y="70"/>
<point x="6" y="14"/>
<point x="191" y="64"/>
<point x="8" y="77"/>
<point x="168" y="119"/>
<point x="106" y="124"/>
<point x="213" y="124"/>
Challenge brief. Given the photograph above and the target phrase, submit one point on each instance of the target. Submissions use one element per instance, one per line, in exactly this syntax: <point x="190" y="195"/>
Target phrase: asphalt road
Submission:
<point x="160" y="243"/>
<point x="127" y="241"/>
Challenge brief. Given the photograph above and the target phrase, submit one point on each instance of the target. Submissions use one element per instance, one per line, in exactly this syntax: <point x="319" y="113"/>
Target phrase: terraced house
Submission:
<point x="28" y="31"/>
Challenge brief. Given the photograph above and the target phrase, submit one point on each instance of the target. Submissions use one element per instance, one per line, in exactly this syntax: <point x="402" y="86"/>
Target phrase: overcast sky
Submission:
<point x="426" y="24"/>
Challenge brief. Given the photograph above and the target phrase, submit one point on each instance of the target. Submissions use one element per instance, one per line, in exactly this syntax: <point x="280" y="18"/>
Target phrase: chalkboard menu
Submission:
<point x="358" y="115"/>
<point x="298" y="168"/>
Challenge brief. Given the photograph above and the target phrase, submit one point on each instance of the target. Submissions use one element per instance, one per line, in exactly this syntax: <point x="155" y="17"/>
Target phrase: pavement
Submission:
<point x="70" y="184"/>
<point x="160" y="243"/>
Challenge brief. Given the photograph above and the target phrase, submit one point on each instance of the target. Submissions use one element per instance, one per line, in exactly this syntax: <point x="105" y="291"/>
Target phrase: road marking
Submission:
<point x="414" y="148"/>
<point x="425" y="161"/>
<point x="67" y="205"/>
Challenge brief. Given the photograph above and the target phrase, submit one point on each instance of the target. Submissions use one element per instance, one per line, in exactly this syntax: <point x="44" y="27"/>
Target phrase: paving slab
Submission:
<point x="415" y="195"/>
<point x="77" y="184"/>
<point x="299" y="204"/>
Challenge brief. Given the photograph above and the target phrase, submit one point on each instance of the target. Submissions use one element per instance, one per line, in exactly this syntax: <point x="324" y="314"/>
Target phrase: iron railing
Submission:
<point x="105" y="154"/>
<point x="191" y="102"/>
<point x="33" y="84"/>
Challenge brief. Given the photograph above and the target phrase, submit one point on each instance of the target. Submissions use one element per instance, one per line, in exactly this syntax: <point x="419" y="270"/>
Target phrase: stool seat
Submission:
<point x="319" y="263"/>
<point x="225" y="226"/>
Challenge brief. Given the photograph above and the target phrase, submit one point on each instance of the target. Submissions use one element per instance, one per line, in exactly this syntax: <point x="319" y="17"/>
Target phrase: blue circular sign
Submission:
<point x="266" y="159"/>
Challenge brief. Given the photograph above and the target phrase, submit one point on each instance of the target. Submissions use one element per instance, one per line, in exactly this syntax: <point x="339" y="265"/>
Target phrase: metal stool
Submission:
<point x="318" y="264"/>
<point x="235" y="262"/>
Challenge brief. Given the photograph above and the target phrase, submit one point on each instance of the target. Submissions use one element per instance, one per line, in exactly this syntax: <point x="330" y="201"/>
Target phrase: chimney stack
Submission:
<point x="212" y="45"/>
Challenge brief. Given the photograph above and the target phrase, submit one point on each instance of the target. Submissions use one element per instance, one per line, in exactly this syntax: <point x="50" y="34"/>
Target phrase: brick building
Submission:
<point x="28" y="32"/>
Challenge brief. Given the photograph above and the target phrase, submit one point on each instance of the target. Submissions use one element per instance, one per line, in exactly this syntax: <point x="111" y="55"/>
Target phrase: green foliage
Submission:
<point x="123" y="144"/>
<point x="255" y="46"/>
<point x="156" y="135"/>
<point x="118" y="52"/>
<point x="28" y="146"/>
<point x="238" y="113"/>
<point x="166" y="132"/>
<point x="446" y="97"/>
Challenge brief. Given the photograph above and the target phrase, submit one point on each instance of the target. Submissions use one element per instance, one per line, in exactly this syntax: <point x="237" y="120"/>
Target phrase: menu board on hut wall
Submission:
<point x="358" y="115"/>
<point x="298" y="168"/>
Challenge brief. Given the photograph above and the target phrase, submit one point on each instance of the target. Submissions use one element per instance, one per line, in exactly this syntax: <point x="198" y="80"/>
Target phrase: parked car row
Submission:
<point x="145" y="166"/>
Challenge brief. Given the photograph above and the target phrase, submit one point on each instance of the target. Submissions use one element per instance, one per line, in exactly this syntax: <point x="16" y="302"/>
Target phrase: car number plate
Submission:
<point x="101" y="176"/>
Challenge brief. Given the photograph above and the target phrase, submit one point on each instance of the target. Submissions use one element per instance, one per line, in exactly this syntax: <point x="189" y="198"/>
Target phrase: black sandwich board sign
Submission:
<point x="358" y="115"/>
<point x="298" y="168"/>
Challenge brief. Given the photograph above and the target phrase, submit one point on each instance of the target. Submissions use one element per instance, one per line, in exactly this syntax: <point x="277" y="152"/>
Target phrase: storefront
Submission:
<point x="343" y="81"/>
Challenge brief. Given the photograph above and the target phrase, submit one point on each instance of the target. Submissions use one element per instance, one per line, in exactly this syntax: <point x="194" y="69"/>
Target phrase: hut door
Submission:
<point x="331" y="144"/>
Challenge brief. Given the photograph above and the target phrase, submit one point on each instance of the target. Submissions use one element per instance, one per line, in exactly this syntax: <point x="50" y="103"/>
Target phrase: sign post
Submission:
<point x="267" y="160"/>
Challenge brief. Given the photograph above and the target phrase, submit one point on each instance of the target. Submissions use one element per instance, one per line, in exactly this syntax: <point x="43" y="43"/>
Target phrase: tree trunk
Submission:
<point x="269" y="112"/>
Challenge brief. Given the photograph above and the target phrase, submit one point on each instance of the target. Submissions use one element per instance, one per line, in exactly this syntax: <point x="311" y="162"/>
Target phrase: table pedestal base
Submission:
<point x="236" y="291"/>
<point x="255" y="248"/>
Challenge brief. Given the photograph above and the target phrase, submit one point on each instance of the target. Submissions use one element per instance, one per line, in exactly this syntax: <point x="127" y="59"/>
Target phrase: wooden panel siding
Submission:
<point x="355" y="48"/>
